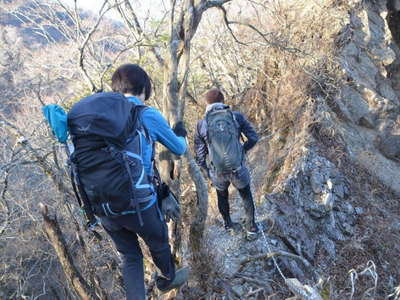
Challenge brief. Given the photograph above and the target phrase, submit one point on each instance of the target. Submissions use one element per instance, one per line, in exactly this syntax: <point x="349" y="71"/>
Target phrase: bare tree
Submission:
<point x="33" y="167"/>
<point x="81" y="58"/>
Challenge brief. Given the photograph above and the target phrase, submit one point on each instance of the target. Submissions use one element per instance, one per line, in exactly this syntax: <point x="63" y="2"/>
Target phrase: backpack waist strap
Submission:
<point x="141" y="207"/>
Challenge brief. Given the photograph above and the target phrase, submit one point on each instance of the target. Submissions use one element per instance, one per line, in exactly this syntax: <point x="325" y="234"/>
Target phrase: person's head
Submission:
<point x="213" y="96"/>
<point x="131" y="79"/>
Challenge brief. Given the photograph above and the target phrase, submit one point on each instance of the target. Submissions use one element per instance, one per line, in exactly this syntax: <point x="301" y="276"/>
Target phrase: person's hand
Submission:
<point x="179" y="129"/>
<point x="170" y="208"/>
<point x="168" y="203"/>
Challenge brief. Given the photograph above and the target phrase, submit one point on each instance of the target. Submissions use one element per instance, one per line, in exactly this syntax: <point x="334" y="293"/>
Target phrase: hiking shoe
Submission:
<point x="165" y="285"/>
<point x="252" y="233"/>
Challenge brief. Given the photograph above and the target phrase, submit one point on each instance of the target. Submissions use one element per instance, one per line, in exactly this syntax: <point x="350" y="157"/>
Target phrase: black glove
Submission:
<point x="168" y="203"/>
<point x="179" y="129"/>
<point x="162" y="192"/>
<point x="170" y="208"/>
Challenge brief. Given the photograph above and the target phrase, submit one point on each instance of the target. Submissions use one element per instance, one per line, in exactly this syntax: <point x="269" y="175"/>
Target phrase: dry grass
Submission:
<point x="376" y="239"/>
<point x="376" y="236"/>
<point x="300" y="70"/>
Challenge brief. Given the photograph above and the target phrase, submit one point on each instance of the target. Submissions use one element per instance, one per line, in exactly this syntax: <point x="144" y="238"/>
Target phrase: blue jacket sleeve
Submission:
<point x="200" y="146"/>
<point x="160" y="131"/>
<point x="248" y="130"/>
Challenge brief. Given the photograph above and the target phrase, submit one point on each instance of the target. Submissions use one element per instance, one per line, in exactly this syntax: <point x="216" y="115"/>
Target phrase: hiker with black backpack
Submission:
<point x="221" y="155"/>
<point x="114" y="136"/>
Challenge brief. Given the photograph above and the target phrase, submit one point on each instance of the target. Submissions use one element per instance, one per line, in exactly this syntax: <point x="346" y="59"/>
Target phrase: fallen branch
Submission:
<point x="253" y="280"/>
<point x="231" y="293"/>
<point x="254" y="292"/>
<point x="305" y="291"/>
<point x="280" y="253"/>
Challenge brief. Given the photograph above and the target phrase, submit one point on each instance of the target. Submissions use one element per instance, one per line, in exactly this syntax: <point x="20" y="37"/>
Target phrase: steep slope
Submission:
<point x="331" y="184"/>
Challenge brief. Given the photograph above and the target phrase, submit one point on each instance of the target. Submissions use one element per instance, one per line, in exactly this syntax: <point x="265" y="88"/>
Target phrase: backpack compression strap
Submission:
<point x="83" y="200"/>
<point x="136" y="203"/>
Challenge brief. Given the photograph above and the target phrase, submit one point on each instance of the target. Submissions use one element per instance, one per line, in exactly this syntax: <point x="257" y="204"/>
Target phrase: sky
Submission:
<point x="93" y="6"/>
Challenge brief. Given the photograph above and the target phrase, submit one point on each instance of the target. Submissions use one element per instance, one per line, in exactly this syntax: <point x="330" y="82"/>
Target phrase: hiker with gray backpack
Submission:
<point x="114" y="175"/>
<point x="221" y="155"/>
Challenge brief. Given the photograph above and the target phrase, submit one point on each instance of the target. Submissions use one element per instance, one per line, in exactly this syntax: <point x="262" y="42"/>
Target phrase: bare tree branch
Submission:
<point x="3" y="194"/>
<point x="47" y="169"/>
<point x="102" y="12"/>
<point x="136" y="28"/>
<point x="214" y="3"/>
<point x="278" y="45"/>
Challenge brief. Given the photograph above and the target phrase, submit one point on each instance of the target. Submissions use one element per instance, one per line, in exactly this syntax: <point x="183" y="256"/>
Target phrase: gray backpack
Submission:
<point x="224" y="148"/>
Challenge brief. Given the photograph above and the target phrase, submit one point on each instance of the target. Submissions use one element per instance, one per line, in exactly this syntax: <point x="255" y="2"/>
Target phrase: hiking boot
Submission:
<point x="232" y="227"/>
<point x="165" y="285"/>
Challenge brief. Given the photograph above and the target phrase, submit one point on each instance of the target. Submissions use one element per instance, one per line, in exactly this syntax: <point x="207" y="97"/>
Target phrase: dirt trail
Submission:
<point x="230" y="249"/>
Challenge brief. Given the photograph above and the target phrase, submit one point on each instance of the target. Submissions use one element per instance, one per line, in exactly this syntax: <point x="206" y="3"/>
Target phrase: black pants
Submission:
<point x="247" y="198"/>
<point x="124" y="231"/>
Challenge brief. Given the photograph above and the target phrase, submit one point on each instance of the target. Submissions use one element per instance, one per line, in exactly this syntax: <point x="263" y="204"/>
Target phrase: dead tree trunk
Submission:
<point x="74" y="278"/>
<point x="183" y="27"/>
<point x="200" y="214"/>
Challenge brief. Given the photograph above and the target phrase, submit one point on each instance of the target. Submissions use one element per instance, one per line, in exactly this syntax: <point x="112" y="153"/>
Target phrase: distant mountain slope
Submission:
<point x="29" y="19"/>
<point x="38" y="24"/>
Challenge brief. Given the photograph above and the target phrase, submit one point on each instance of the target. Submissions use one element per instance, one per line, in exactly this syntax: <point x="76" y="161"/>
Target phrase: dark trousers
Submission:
<point x="124" y="231"/>
<point x="247" y="198"/>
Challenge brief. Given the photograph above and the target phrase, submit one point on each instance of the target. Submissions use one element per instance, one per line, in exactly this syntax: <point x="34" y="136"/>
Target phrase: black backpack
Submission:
<point x="224" y="147"/>
<point x="107" y="161"/>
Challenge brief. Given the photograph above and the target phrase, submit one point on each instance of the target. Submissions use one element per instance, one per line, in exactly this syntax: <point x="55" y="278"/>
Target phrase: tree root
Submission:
<point x="275" y="253"/>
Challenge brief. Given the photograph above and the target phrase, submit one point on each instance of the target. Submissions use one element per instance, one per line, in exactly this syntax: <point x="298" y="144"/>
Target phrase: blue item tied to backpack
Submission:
<point x="57" y="119"/>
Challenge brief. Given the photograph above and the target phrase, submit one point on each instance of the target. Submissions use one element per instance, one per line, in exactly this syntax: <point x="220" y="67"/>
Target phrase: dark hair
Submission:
<point x="130" y="78"/>
<point x="214" y="95"/>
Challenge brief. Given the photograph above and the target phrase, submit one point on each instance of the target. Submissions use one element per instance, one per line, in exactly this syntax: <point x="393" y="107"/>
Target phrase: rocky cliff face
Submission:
<point x="345" y="183"/>
<point x="369" y="101"/>
<point x="333" y="199"/>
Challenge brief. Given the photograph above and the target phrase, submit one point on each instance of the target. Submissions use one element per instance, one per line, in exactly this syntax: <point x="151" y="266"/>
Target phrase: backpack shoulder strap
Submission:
<point x="141" y="109"/>
<point x="146" y="132"/>
<point x="235" y="120"/>
<point x="73" y="183"/>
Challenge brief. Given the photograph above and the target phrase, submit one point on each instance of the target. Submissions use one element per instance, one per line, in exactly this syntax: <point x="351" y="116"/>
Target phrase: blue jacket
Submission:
<point x="200" y="138"/>
<point x="159" y="131"/>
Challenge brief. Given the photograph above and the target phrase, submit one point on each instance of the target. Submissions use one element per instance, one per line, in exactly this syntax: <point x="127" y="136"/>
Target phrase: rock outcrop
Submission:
<point x="369" y="101"/>
<point x="334" y="192"/>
